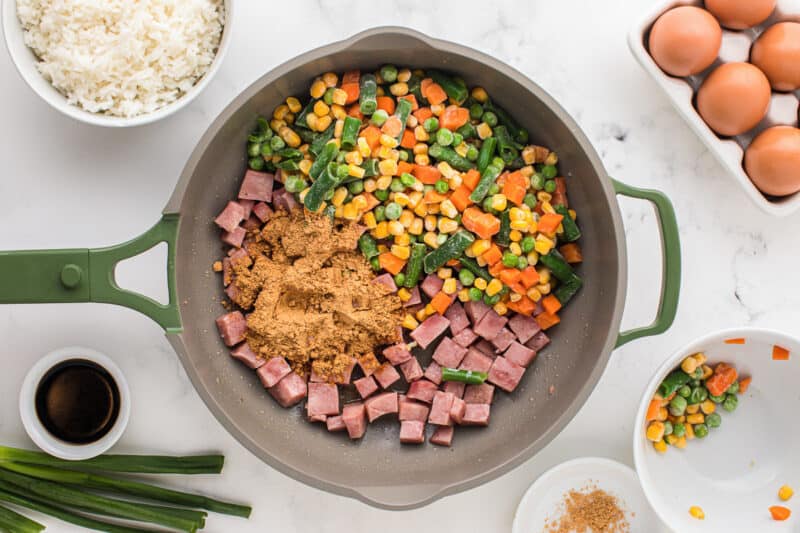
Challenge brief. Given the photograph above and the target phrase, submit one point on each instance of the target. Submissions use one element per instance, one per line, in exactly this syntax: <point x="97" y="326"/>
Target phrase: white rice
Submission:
<point x="122" y="57"/>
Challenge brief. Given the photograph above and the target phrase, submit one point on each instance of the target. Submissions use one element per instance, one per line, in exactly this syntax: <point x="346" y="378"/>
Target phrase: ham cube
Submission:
<point x="432" y="285"/>
<point x="230" y="217"/>
<point x="397" y="353"/>
<point x="457" y="317"/>
<point x="386" y="375"/>
<point x="382" y="404"/>
<point x="476" y="361"/>
<point x="262" y="211"/>
<point x="411" y="370"/>
<point x="443" y="436"/>
<point x="485" y="347"/>
<point x="483" y="393"/>
<point x="318" y="418"/>
<point x="430" y="329"/>
<point x="232" y="327"/>
<point x="234" y="237"/>
<point x="490" y="325"/>
<point x="354" y="416"/>
<point x="335" y="423"/>
<point x="347" y="373"/>
<point x="247" y="356"/>
<point x="422" y="390"/>
<point x="505" y="374"/>
<point x="457" y="410"/>
<point x="465" y="337"/>
<point x="538" y="341"/>
<point x="290" y="390"/>
<point x="412" y="432"/>
<point x="285" y="200"/>
<point x="440" y="408"/>
<point x="232" y="292"/>
<point x="415" y="299"/>
<point x="524" y="327"/>
<point x="274" y="370"/>
<point x="386" y="280"/>
<point x="434" y="372"/>
<point x="247" y="205"/>
<point x="323" y="399"/>
<point x="449" y="354"/>
<point x="476" y="414"/>
<point x="256" y="186"/>
<point x="456" y="388"/>
<point x="410" y="410"/>
<point x="365" y="386"/>
<point x="368" y="363"/>
<point x="520" y="354"/>
<point x="475" y="311"/>
<point x="240" y="256"/>
<point x="503" y="340"/>
<point x="316" y="378"/>
<point x="252" y="223"/>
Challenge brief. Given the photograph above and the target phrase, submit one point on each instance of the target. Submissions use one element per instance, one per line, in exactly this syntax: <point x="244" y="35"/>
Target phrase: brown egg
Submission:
<point x="741" y="14"/>
<point x="777" y="54"/>
<point x="734" y="98"/>
<point x="773" y="161"/>
<point x="685" y="41"/>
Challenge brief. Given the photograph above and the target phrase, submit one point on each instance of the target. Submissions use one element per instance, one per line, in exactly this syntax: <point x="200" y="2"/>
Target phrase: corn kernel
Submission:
<point x="370" y="185"/>
<point x="500" y="308"/>
<point x="355" y="171"/>
<point x="689" y="365"/>
<point x="526" y="171"/>
<point x="353" y="158"/>
<point x="533" y="226"/>
<point x="338" y="112"/>
<point x="420" y="315"/>
<point x="280" y="112"/>
<point x="350" y="211"/>
<point x="446" y="169"/>
<point x="529" y="155"/>
<point x="533" y="258"/>
<point x="303" y="193"/>
<point x="448" y="209"/>
<point x="401" y="199"/>
<point x="339" y="97"/>
<point x="330" y="79"/>
<point x="697" y="512"/>
<point x="289" y="118"/>
<point x="387" y="167"/>
<point x="369" y="220"/>
<point x="515" y="213"/>
<point x="692" y="409"/>
<point x="447" y="225"/>
<point x="455" y="181"/>
<point x="422" y="159"/>
<point x="689" y="431"/>
<point x="381" y="231"/>
<point x="409" y="322"/>
<point x="276" y="124"/>
<point x="396" y="228"/>
<point x="305" y="166"/>
<point x="420" y="134"/>
<point x="420" y="148"/>
<point x="388" y="140"/>
<point x="338" y="212"/>
<point x="414" y="198"/>
<point x="499" y="202"/>
<point x="462" y="149"/>
<point x="430" y="223"/>
<point x="519" y="225"/>
<point x="660" y="446"/>
<point x="655" y="431"/>
<point x="321" y="108"/>
<point x="421" y="210"/>
<point x="312" y="120"/>
<point x="480" y="246"/>
<point x="534" y="294"/>
<point x="406" y="218"/>
<point x="484" y="130"/>
<point x="481" y="261"/>
<point x="494" y="287"/>
<point x="403" y="252"/>
<point x="445" y="273"/>
<point x="551" y="159"/>
<point x="449" y="286"/>
<point x="671" y="439"/>
<point x="429" y="310"/>
<point x="480" y="283"/>
<point x="785" y="493"/>
<point x="708" y="407"/>
<point x="479" y="94"/>
<point x="402" y="240"/>
<point x="697" y="418"/>
<point x="294" y="104"/>
<point x="404" y="294"/>
<point x="404" y="75"/>
<point x="543" y="244"/>
<point x="706" y="371"/>
<point x="437" y="109"/>
<point x="515" y="297"/>
<point x="304" y="149"/>
<point x="430" y="240"/>
<point x="544" y="288"/>
<point x="463" y="295"/>
<point x="680" y="443"/>
<point x="317" y="88"/>
<point x="360" y="202"/>
<point x="338" y="128"/>
<point x="324" y="122"/>
<point x="544" y="196"/>
<point x="515" y="248"/>
<point x="515" y="235"/>
<point x="399" y="89"/>
<point x="416" y="226"/>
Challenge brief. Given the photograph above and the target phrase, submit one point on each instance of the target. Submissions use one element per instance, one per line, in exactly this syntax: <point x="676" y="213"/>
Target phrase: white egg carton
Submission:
<point x="735" y="47"/>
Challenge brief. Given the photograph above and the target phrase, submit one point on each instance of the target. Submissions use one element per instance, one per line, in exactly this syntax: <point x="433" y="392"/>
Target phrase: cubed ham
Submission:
<point x="256" y="186"/>
<point x="520" y="354"/>
<point x="232" y="327"/>
<point x="485" y="347"/>
<point x="415" y="299"/>
<point x="457" y="410"/>
<point x="368" y="363"/>
<point x="538" y="341"/>
<point x="411" y="370"/>
<point x="475" y="310"/>
<point x="386" y="280"/>
<point x="457" y="317"/>
<point x="382" y="404"/>
<point x="274" y="370"/>
<point x="240" y="256"/>
<point x="476" y="414"/>
<point x="386" y="375"/>
<point x="315" y="377"/>
<point x="347" y="372"/>
<point x="234" y="237"/>
<point x="440" y="408"/>
<point x="490" y="325"/>
<point x="317" y="418"/>
<point x="335" y="423"/>
<point x="262" y="211"/>
<point x="232" y="292"/>
<point x="410" y="410"/>
<point x="247" y="356"/>
<point x="483" y="393"/>
<point x="412" y="432"/>
<point x="422" y="390"/>
<point x="465" y="337"/>
<point x="432" y="285"/>
<point x="503" y="340"/>
<point x="323" y="399"/>
<point x="247" y="205"/>
<point x="290" y="390"/>
<point x="227" y="271"/>
<point x="430" y="329"/>
<point x="434" y="372"/>
<point x="251" y="223"/>
<point x="449" y="354"/>
<point x="285" y="200"/>
<point x="476" y="361"/>
<point x="524" y="327"/>
<point x="456" y="388"/>
<point x="365" y="386"/>
<point x="397" y="353"/>
<point x="354" y="416"/>
<point x="443" y="436"/>
<point x="505" y="374"/>
<point x="230" y="217"/>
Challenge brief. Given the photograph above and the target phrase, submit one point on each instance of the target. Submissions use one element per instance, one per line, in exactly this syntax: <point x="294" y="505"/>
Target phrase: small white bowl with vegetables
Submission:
<point x="713" y="443"/>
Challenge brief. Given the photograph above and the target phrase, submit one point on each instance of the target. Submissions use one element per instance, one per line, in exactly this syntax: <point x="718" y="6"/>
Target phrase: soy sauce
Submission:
<point x="77" y="401"/>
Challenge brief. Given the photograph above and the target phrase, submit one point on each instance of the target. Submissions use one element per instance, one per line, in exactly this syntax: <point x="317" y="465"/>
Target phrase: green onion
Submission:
<point x="15" y="522"/>
<point x="470" y="377"/>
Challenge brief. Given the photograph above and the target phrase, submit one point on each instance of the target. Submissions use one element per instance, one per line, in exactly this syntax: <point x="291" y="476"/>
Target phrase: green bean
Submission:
<point x="568" y="289"/>
<point x="473" y="266"/>
<point x="328" y="96"/>
<point x="321" y="140"/>
<point x="560" y="268"/>
<point x="471" y="377"/>
<point x="452" y="248"/>
<point x="368" y="246"/>
<point x="388" y="73"/>
<point x="366" y="94"/>
<point x="414" y="266"/>
<point x="300" y="119"/>
<point x="326" y="155"/>
<point x="487" y="180"/>
<point x="502" y="237"/>
<point x="450" y="156"/>
<point x="402" y="112"/>
<point x="467" y="131"/>
<point x="475" y="111"/>
<point x="350" y="133"/>
<point x="290" y="165"/>
<point x="674" y="381"/>
<point x="455" y="91"/>
<point x="370" y="167"/>
<point x="517" y="132"/>
<point x="326" y="182"/>
<point x="505" y="144"/>
<point x="415" y="87"/>
<point x="486" y="153"/>
<point x="571" y="230"/>
<point x="290" y="153"/>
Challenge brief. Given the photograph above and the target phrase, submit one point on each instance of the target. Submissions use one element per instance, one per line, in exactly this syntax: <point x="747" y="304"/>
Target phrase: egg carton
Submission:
<point x="735" y="47"/>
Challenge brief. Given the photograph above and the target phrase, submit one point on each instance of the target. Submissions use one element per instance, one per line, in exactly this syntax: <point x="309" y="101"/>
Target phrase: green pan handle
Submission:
<point x="671" y="262"/>
<point x="87" y="275"/>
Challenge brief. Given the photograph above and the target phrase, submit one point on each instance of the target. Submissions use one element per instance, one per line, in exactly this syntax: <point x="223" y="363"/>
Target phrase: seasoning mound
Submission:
<point x="312" y="296"/>
<point x="589" y="510"/>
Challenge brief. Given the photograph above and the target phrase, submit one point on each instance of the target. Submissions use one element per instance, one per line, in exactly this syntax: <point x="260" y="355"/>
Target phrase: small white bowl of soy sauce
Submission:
<point x="75" y="403"/>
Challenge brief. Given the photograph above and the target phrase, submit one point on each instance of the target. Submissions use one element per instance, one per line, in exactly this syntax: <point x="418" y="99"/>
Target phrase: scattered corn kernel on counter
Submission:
<point x="467" y="223"/>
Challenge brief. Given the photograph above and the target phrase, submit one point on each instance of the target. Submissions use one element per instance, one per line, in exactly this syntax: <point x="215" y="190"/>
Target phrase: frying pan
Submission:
<point x="377" y="470"/>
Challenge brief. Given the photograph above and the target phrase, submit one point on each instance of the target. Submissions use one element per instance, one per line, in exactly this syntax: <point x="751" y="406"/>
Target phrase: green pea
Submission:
<point x="441" y="186"/>
<point x="262" y="126"/>
<point x="717" y="399"/>
<point x="379" y="212"/>
<point x="407" y="179"/>
<point x="431" y="124"/>
<point x="375" y="264"/>
<point x="700" y="431"/>
<point x="734" y="388"/>
<point x="530" y="200"/>
<point x="457" y="139"/>
<point x="537" y="182"/>
<point x="550" y="186"/>
<point x="494" y="189"/>
<point x="397" y="185"/>
<point x="487" y="205"/>
<point x="256" y="138"/>
<point x="527" y="244"/>
<point x="466" y="277"/>
<point x="522" y="262"/>
<point x="266" y="150"/>
<point x="731" y="403"/>
<point x="668" y="429"/>
<point x="356" y="187"/>
<point x="389" y="73"/>
<point x="404" y="155"/>
<point x="509" y="259"/>
<point x="381" y="194"/>
<point x="277" y="143"/>
<point x="498" y="162"/>
<point x="472" y="153"/>
<point x="698" y="374"/>
<point x="254" y="149"/>
<point x="698" y="395"/>
<point x="328" y="96"/>
<point x="489" y="118"/>
<point x="685" y="391"/>
<point x="256" y="163"/>
<point x="713" y="420"/>
<point x="399" y="279"/>
<point x="475" y="111"/>
<point x="491" y="300"/>
<point x="679" y="430"/>
<point x="549" y="171"/>
<point x="444" y="137"/>
<point x="379" y="117"/>
<point x="475" y="294"/>
<point x="677" y="406"/>
<point x="294" y="183"/>
<point x="393" y="211"/>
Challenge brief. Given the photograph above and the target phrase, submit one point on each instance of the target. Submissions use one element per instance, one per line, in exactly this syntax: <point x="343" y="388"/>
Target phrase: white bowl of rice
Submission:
<point x="117" y="63"/>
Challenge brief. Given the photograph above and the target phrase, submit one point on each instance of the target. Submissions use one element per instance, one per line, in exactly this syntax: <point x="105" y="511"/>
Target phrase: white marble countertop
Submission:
<point x="66" y="184"/>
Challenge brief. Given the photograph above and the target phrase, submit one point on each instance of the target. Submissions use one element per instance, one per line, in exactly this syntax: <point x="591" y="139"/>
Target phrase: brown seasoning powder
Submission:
<point x="589" y="510"/>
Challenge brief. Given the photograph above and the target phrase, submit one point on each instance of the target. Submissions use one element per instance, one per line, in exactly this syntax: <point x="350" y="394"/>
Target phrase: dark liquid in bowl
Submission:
<point x="77" y="401"/>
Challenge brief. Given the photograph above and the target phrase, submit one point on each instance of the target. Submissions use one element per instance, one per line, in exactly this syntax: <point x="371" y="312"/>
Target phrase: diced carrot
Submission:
<point x="551" y="304"/>
<point x="510" y="275"/>
<point x="560" y="194"/>
<point x="453" y="117"/>
<point x="460" y="197"/>
<point x="470" y="217"/>
<point x="433" y="197"/>
<point x="408" y="140"/>
<point x="571" y="252"/>
<point x="549" y="223"/>
<point x="371" y="200"/>
<point x="427" y="174"/>
<point x="493" y="255"/>
<point x="546" y="320"/>
<point x="391" y="263"/>
<point x="488" y="225"/>
<point x="351" y="76"/>
<point x="515" y="187"/>
<point x="496" y="269"/>
<point x="352" y="91"/>
<point x="740" y="340"/>
<point x="386" y="103"/>
<point x="779" y="353"/>
<point x="780" y="512"/>
<point x="355" y="111"/>
<point x="432" y="91"/>
<point x="441" y="302"/>
<point x="392" y="127"/>
<point x="471" y="178"/>
<point x="723" y="377"/>
<point x="501" y="179"/>
<point x="411" y="98"/>
<point x="652" y="409"/>
<point x="422" y="114"/>
<point x="744" y="383"/>
<point x="518" y="287"/>
<point x="529" y="277"/>
<point x="524" y="306"/>
<point x="404" y="167"/>
<point x="373" y="136"/>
